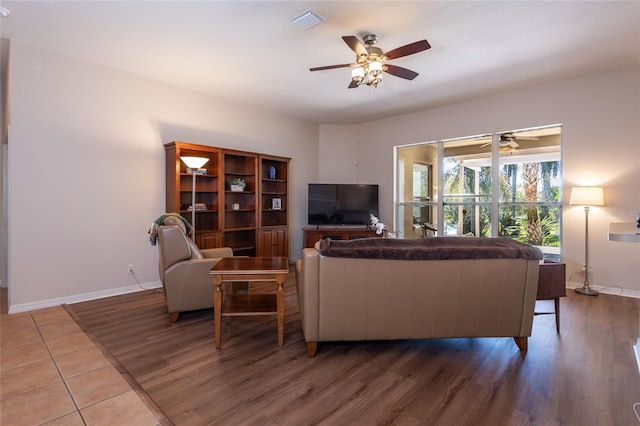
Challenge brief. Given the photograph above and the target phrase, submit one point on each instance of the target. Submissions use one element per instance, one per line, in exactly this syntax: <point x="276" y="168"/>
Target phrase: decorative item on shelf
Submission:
<point x="380" y="227"/>
<point x="237" y="185"/>
<point x="276" y="204"/>
<point x="194" y="163"/>
<point x="199" y="206"/>
<point x="272" y="172"/>
<point x="198" y="171"/>
<point x="586" y="196"/>
<point x="235" y="206"/>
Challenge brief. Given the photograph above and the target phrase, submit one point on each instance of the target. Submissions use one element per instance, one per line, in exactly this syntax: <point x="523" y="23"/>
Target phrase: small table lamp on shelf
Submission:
<point x="193" y="164"/>
<point x="586" y="196"/>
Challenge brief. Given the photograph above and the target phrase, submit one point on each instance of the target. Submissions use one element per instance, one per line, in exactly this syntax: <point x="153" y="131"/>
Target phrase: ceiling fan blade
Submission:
<point x="513" y="144"/>
<point x="408" y="49"/>
<point x="329" y="67"/>
<point x="355" y="45"/>
<point x="400" y="72"/>
<point x="354" y="84"/>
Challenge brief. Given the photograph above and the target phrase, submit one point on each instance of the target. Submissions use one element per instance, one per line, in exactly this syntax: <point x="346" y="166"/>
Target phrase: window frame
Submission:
<point x="438" y="200"/>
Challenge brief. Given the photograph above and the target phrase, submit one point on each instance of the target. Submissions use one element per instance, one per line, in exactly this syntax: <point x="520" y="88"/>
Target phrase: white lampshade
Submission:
<point x="357" y="73"/>
<point x="587" y="196"/>
<point x="375" y="68"/>
<point x="194" y="162"/>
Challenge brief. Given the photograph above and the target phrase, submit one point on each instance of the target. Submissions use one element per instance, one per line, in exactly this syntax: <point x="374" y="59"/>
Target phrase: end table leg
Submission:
<point x="280" y="306"/>
<point x="557" y="306"/>
<point x="217" y="309"/>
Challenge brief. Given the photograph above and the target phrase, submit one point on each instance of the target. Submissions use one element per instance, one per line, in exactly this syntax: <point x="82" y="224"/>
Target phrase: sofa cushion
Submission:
<point x="436" y="248"/>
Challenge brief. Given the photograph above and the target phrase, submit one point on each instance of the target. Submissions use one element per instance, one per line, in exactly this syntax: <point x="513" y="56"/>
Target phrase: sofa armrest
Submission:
<point x="307" y="283"/>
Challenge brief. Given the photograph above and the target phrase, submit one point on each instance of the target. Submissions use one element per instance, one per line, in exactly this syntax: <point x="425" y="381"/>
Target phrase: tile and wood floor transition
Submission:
<point x="585" y="375"/>
<point x="53" y="373"/>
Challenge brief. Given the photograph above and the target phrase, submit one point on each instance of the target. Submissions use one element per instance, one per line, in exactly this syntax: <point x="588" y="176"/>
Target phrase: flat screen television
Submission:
<point x="342" y="204"/>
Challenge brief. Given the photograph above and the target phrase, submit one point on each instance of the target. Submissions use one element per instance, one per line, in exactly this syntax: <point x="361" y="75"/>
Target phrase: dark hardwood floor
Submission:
<point x="587" y="375"/>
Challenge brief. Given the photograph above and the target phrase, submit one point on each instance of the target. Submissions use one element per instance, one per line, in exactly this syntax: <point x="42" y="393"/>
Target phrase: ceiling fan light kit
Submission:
<point x="371" y="61"/>
<point x="375" y="68"/>
<point x="372" y="72"/>
<point x="357" y="74"/>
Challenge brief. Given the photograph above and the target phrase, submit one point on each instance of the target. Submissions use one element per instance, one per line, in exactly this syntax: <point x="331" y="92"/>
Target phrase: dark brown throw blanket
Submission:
<point x="436" y="248"/>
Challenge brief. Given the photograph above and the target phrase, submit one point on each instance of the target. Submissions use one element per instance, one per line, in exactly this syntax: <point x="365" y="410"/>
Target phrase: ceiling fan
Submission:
<point x="371" y="60"/>
<point x="508" y="140"/>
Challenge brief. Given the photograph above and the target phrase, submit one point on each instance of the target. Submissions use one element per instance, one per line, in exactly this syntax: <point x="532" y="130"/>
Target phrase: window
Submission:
<point x="422" y="192"/>
<point x="504" y="184"/>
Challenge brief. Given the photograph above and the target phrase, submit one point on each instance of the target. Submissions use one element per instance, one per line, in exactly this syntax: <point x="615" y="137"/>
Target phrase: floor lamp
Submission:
<point x="586" y="196"/>
<point x="193" y="164"/>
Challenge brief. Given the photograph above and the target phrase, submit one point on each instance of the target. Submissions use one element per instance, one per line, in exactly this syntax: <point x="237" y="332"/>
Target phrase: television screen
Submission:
<point x="342" y="204"/>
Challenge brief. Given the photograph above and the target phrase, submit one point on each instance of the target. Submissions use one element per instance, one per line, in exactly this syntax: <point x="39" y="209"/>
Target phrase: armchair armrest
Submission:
<point x="188" y="285"/>
<point x="217" y="252"/>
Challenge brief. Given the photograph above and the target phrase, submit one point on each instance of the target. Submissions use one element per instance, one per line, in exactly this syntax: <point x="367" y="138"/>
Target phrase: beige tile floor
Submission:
<point x="51" y="373"/>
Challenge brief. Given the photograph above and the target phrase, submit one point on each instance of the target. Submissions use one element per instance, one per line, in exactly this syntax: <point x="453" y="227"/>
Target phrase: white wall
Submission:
<point x="4" y="157"/>
<point x="87" y="171"/>
<point x="87" y="165"/>
<point x="600" y="115"/>
<point x="338" y="154"/>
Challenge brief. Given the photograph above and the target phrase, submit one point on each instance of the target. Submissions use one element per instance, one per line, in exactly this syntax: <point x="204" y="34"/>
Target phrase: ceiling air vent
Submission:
<point x="307" y="19"/>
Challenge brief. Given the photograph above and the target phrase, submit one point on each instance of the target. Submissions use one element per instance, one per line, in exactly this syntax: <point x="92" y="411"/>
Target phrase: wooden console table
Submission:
<point x="249" y="269"/>
<point x="313" y="234"/>
<point x="552" y="286"/>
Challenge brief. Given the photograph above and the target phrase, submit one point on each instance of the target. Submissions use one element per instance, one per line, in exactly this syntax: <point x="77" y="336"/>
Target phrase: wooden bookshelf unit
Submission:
<point x="248" y="221"/>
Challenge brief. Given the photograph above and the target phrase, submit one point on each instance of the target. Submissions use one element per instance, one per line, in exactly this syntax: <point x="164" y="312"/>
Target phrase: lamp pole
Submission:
<point x="193" y="204"/>
<point x="586" y="288"/>
<point x="587" y="196"/>
<point x="193" y="164"/>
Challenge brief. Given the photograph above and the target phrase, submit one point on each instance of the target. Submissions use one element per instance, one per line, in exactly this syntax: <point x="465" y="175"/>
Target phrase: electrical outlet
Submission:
<point x="130" y="268"/>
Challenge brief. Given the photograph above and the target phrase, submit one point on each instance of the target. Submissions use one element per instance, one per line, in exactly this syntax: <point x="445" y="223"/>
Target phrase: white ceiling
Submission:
<point x="251" y="53"/>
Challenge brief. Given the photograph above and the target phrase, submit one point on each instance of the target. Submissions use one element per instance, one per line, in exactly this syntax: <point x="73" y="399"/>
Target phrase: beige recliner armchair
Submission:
<point x="184" y="271"/>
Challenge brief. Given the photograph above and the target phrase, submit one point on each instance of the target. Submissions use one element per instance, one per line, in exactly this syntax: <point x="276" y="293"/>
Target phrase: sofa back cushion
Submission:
<point x="436" y="248"/>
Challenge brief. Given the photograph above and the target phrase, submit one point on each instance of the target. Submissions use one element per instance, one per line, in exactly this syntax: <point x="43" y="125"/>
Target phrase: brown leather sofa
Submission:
<point x="184" y="271"/>
<point x="352" y="299"/>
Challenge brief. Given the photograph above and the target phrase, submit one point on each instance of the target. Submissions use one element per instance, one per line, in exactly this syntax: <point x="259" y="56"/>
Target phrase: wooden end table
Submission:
<point x="552" y="286"/>
<point x="249" y="269"/>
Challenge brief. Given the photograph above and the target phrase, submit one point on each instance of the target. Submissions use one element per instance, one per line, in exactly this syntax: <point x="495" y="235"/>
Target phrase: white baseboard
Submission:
<point x="614" y="290"/>
<point x="14" y="309"/>
<point x="76" y="298"/>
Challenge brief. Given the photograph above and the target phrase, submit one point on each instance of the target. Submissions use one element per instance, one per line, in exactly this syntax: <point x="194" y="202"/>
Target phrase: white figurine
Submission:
<point x="375" y="222"/>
